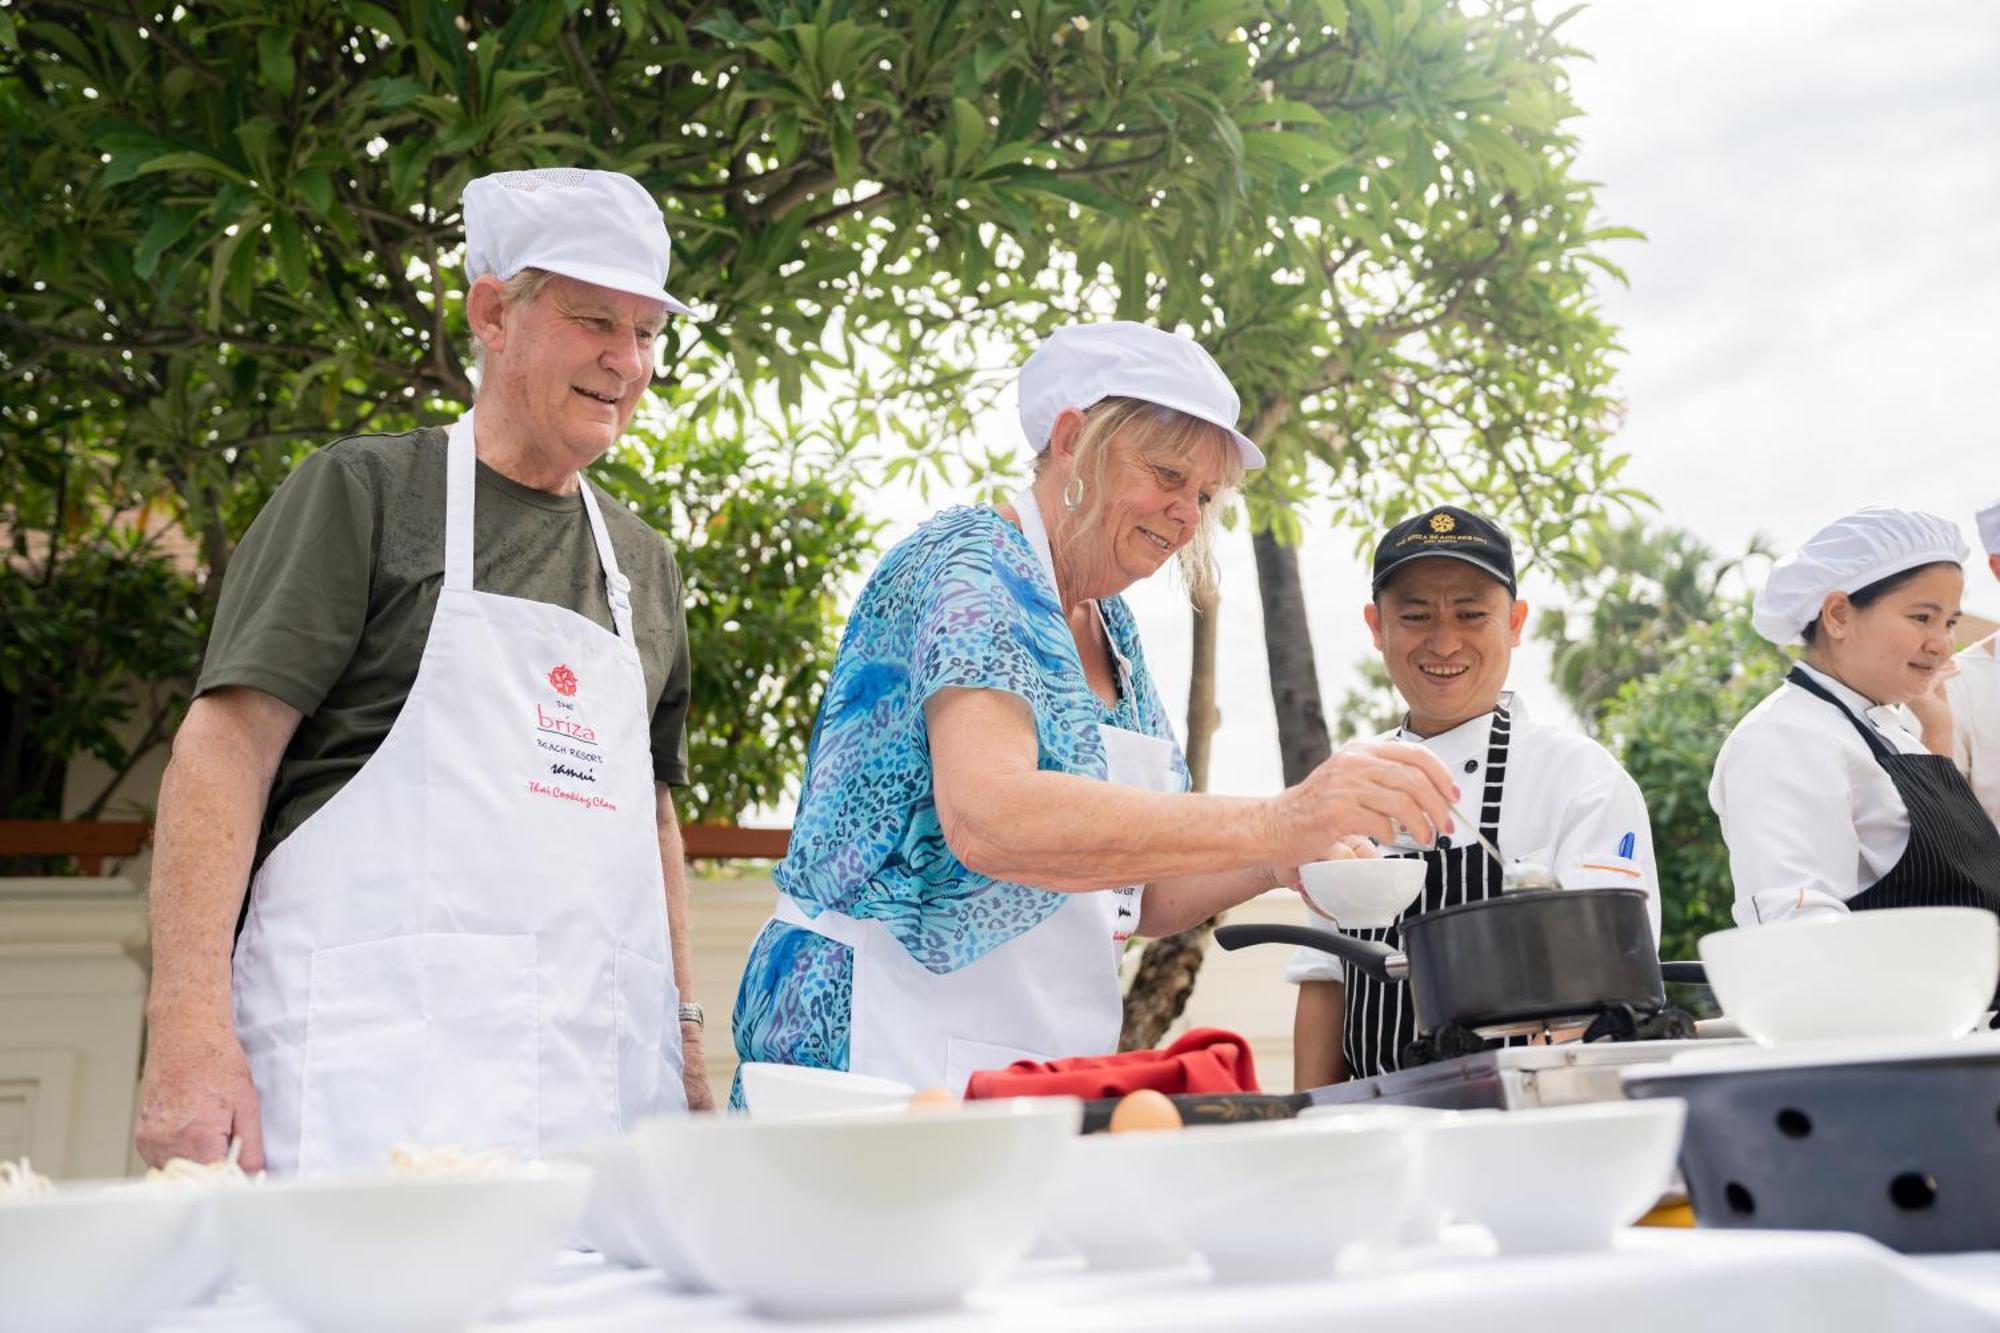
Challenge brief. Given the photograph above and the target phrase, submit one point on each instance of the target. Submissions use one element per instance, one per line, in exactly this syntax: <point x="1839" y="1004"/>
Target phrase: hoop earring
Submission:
<point x="1072" y="502"/>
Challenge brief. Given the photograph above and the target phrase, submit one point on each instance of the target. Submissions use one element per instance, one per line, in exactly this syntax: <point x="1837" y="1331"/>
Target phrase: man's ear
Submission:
<point x="1517" y="619"/>
<point x="486" y="312"/>
<point x="1372" y="613"/>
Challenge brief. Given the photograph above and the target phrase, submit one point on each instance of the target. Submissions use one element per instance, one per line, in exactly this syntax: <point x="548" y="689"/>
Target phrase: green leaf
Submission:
<point x="380" y="19"/>
<point x="168" y="226"/>
<point x="846" y="151"/>
<point x="292" y="264"/>
<point x="1075" y="190"/>
<point x="274" y="60"/>
<point x="393" y="93"/>
<point x="195" y="162"/>
<point x="1335" y="14"/>
<point x="315" y="186"/>
<point x="726" y="27"/>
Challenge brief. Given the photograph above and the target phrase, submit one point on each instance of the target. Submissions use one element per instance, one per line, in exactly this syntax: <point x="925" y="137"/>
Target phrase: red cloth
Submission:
<point x="1204" y="1060"/>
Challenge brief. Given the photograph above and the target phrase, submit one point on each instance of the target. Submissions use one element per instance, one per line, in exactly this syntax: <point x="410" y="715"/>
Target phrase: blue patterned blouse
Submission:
<point x="963" y="602"/>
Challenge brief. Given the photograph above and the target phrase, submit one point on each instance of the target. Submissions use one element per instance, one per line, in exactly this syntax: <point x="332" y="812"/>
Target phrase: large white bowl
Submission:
<point x="402" y="1254"/>
<point x="1921" y="972"/>
<point x="1101" y="1205"/>
<point x="1277" y="1200"/>
<point x="772" y="1091"/>
<point x="1365" y="892"/>
<point x="1425" y="1210"/>
<point x="863" y="1214"/>
<point x="1556" y="1179"/>
<point x="625" y="1221"/>
<point x="105" y="1256"/>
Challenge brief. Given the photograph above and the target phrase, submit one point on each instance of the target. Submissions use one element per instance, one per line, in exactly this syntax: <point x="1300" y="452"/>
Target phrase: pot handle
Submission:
<point x="1377" y="960"/>
<point x="1692" y="973"/>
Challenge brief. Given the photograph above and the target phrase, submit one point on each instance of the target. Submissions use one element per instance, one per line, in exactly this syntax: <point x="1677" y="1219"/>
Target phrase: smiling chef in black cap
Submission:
<point x="1446" y="618"/>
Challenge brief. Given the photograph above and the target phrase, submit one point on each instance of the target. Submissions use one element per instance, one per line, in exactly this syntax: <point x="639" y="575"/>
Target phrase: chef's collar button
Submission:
<point x="1472" y="765"/>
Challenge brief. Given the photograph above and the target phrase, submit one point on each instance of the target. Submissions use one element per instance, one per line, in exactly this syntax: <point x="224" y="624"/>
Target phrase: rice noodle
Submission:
<point x="18" y="1180"/>
<point x="413" y="1159"/>
<point x="185" y="1171"/>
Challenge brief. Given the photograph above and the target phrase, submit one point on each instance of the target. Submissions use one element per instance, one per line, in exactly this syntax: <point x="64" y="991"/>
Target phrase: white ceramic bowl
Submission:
<point x="402" y="1254"/>
<point x="1276" y="1200"/>
<point x="1920" y="972"/>
<point x="625" y="1221"/>
<point x="862" y="1214"/>
<point x="1101" y="1205"/>
<point x="1425" y="1212"/>
<point x="1365" y="892"/>
<point x="105" y="1256"/>
<point x="772" y="1091"/>
<point x="1559" y="1178"/>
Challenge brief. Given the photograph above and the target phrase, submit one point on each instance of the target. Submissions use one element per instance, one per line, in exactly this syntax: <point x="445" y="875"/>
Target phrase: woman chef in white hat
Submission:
<point x="1827" y="803"/>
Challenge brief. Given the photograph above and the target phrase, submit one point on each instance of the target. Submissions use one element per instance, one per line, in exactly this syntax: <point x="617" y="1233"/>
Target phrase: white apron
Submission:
<point x="1049" y="992"/>
<point x="467" y="945"/>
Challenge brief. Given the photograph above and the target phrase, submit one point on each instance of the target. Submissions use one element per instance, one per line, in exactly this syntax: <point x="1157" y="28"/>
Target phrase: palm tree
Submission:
<point x="1641" y="588"/>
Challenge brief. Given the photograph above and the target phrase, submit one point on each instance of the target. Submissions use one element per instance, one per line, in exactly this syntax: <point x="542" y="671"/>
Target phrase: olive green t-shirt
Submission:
<point x="328" y="601"/>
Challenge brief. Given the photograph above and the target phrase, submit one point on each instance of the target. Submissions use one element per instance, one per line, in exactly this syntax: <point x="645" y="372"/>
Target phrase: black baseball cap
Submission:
<point x="1450" y="532"/>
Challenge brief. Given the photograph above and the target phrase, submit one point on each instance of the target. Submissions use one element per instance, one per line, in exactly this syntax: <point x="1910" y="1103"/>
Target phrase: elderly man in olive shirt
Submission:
<point x="424" y="792"/>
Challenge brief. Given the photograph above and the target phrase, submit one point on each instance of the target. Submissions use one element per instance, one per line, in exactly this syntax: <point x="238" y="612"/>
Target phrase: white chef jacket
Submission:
<point x="1566" y="804"/>
<point x="1975" y="721"/>
<point x="1810" y="816"/>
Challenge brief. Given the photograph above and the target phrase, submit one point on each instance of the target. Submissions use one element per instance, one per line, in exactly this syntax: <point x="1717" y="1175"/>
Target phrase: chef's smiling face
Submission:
<point x="1446" y="632"/>
<point x="573" y="363"/>
<point x="1892" y="649"/>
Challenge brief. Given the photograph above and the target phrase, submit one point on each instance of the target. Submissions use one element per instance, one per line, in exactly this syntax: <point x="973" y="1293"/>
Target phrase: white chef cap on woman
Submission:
<point x="1989" y="527"/>
<point x="1847" y="555"/>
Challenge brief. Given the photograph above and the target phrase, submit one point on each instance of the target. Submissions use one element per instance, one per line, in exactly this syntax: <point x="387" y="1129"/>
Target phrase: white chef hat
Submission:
<point x="1989" y="527"/>
<point x="599" y="227"/>
<point x="1847" y="555"/>
<point x="1080" y="365"/>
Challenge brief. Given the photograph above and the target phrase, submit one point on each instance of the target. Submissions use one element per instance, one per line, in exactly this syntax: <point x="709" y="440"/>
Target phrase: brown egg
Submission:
<point x="933" y="1099"/>
<point x="1144" y="1109"/>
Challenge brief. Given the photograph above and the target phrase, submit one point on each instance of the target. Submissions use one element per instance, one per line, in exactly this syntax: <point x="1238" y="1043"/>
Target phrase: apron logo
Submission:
<point x="562" y="726"/>
<point x="564" y="681"/>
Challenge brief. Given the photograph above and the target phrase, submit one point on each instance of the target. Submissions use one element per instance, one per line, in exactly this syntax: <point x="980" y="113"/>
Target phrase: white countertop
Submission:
<point x="1666" y="1280"/>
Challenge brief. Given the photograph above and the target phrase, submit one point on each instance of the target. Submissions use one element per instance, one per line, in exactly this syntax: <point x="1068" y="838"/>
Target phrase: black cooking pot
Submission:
<point x="1528" y="957"/>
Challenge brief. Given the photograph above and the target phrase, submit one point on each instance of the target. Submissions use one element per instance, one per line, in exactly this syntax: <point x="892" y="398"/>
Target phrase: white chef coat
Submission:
<point x="1566" y="804"/>
<point x="1810" y="816"/>
<point x="1975" y="721"/>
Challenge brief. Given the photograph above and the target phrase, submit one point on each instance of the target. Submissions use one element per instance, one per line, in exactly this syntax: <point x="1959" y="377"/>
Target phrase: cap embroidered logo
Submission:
<point x="1443" y="523"/>
<point x="563" y="680"/>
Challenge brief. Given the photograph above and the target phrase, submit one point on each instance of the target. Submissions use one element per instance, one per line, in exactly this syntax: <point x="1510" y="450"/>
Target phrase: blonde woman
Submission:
<point x="994" y="800"/>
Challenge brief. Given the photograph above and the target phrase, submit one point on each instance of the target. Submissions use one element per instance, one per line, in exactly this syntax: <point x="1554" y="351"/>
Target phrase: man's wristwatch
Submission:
<point x="691" y="1013"/>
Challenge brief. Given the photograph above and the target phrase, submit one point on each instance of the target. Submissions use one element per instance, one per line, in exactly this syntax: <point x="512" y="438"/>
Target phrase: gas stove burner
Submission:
<point x="1617" y="1022"/>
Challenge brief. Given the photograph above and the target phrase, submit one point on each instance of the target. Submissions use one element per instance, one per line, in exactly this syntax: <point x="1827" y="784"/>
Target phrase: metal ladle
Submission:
<point x="1517" y="875"/>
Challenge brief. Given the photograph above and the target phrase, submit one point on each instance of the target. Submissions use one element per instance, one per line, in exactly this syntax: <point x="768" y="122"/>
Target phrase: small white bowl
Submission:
<point x="1560" y="1178"/>
<point x="402" y="1254"/>
<point x="774" y="1091"/>
<point x="1919" y="972"/>
<point x="1100" y="1205"/>
<point x="1426" y="1211"/>
<point x="1276" y="1200"/>
<point x="105" y="1256"/>
<point x="625" y="1220"/>
<point x="1365" y="892"/>
<point x="871" y="1213"/>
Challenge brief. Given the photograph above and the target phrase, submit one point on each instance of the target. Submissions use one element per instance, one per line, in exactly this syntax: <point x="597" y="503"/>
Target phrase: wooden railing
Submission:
<point x="89" y="841"/>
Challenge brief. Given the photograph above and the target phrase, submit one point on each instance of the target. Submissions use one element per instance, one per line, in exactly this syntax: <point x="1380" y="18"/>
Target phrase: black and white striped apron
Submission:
<point x="1953" y="857"/>
<point x="1379" y="1018"/>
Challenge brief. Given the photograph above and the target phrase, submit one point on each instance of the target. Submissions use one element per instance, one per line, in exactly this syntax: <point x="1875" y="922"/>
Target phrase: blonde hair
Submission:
<point x="1163" y="437"/>
<point x="521" y="289"/>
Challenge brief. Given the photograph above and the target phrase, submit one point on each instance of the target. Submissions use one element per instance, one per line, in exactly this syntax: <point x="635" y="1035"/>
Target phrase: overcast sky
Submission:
<point x="1810" y="326"/>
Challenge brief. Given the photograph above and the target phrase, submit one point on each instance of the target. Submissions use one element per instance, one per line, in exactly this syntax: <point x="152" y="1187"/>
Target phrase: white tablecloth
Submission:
<point x="1664" y="1280"/>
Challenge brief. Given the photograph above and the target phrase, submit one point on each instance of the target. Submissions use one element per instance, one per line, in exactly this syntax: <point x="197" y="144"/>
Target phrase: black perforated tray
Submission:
<point x="1904" y="1151"/>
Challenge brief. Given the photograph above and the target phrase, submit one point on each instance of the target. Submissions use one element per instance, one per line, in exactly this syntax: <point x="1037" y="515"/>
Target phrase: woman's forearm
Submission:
<point x="1059" y="831"/>
<point x="1177" y="904"/>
